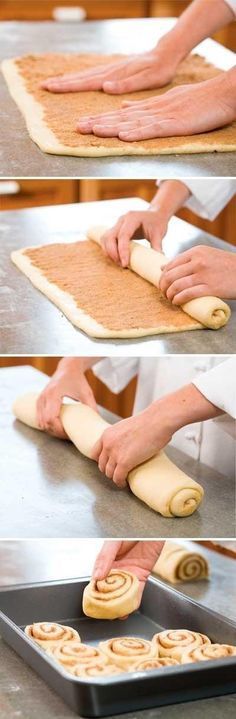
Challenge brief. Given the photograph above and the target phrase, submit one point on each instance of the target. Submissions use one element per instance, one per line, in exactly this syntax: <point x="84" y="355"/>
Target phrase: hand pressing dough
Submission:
<point x="115" y="596"/>
<point x="173" y="642"/>
<point x="157" y="482"/>
<point x="50" y="634"/>
<point x="51" y="118"/>
<point x="178" y="564"/>
<point x="125" y="651"/>
<point x="146" y="262"/>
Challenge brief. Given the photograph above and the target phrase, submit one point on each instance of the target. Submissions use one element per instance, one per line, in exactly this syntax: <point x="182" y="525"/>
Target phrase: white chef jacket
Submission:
<point x="232" y="4"/>
<point x="208" y="197"/>
<point x="211" y="442"/>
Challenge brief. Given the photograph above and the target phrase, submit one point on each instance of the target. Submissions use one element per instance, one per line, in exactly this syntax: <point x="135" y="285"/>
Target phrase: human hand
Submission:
<point x="136" y="557"/>
<point x="68" y="381"/>
<point x="130" y="442"/>
<point x="149" y="224"/>
<point x="184" y="110"/>
<point x="136" y="72"/>
<point x="200" y="271"/>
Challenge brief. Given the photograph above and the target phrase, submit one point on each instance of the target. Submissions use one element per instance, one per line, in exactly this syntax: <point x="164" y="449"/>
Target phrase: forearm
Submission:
<point x="170" y="196"/>
<point x="185" y="406"/>
<point x="196" y="23"/>
<point x="74" y="365"/>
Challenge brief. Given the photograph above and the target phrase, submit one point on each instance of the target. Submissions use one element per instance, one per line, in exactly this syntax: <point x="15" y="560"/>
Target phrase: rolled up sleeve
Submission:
<point x="219" y="387"/>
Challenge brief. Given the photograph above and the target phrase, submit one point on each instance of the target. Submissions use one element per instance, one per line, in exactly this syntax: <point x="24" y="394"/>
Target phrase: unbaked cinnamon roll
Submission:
<point x="95" y="670"/>
<point x="72" y="653"/>
<point x="115" y="596"/>
<point x="124" y="651"/>
<point x="49" y="634"/>
<point x="157" y="663"/>
<point x="207" y="652"/>
<point x="173" y="642"/>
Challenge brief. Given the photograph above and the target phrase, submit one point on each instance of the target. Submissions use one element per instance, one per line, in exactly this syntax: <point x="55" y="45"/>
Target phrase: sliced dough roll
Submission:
<point x="125" y="651"/>
<point x="95" y="670"/>
<point x="207" y="652"/>
<point x="50" y="634"/>
<point x="173" y="642"/>
<point x="157" y="482"/>
<point x="149" y="664"/>
<point x="178" y="564"/>
<point x="74" y="653"/>
<point x="115" y="596"/>
<point x="212" y="312"/>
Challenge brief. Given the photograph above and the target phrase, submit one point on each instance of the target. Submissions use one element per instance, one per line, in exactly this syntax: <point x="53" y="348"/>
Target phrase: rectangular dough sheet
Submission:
<point x="51" y="118"/>
<point x="97" y="296"/>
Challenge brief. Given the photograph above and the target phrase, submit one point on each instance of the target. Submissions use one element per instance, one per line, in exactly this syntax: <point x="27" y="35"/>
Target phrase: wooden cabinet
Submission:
<point x="17" y="194"/>
<point x="95" y="9"/>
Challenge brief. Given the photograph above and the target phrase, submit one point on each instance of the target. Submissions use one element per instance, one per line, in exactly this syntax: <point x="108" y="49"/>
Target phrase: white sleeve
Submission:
<point x="232" y="4"/>
<point x="116" y="372"/>
<point x="218" y="385"/>
<point x="208" y="197"/>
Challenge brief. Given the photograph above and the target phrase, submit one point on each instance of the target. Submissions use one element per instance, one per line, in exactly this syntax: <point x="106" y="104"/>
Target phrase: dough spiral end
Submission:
<point x="207" y="652"/>
<point x="185" y="502"/>
<point x="125" y="651"/>
<point x="178" y="564"/>
<point x="112" y="597"/>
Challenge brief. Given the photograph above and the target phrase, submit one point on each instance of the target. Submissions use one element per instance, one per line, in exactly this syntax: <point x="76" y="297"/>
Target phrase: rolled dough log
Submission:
<point x="113" y="597"/>
<point x="157" y="482"/>
<point x="178" y="564"/>
<point x="146" y="262"/>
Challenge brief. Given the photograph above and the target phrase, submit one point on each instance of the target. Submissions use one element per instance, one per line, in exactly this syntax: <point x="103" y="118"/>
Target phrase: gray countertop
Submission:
<point x="48" y="489"/>
<point x="31" y="324"/>
<point x="20" y="157"/>
<point x="24" y="694"/>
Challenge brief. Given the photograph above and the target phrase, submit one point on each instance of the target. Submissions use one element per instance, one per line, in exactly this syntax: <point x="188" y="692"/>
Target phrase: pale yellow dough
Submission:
<point x="125" y="651"/>
<point x="157" y="482"/>
<point x="178" y="564"/>
<point x="146" y="262"/>
<point x="115" y="596"/>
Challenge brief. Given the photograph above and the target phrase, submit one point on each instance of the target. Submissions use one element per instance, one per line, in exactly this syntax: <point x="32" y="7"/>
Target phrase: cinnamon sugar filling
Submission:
<point x="61" y="112"/>
<point x="116" y="298"/>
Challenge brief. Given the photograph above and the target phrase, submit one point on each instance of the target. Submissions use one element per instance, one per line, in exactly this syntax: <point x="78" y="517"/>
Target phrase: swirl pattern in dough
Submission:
<point x="207" y="652"/>
<point x="95" y="670"/>
<point x="173" y="642"/>
<point x="115" y="596"/>
<point x="149" y="664"/>
<point x="74" y="653"/>
<point x="125" y="651"/>
<point x="50" y="633"/>
<point x="177" y="564"/>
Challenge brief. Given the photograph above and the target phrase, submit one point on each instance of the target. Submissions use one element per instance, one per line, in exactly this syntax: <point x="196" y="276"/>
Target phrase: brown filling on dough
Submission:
<point x="116" y="298"/>
<point x="62" y="111"/>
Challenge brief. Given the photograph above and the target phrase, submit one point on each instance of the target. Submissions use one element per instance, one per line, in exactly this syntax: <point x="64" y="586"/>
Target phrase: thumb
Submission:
<point x="156" y="242"/>
<point x="105" y="559"/>
<point x="87" y="396"/>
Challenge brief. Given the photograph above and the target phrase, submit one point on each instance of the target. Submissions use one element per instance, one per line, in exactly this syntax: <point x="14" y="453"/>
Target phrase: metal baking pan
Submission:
<point x="162" y="607"/>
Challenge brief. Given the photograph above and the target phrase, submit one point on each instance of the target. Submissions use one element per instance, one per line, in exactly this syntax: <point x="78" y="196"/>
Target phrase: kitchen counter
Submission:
<point x="31" y="324"/>
<point x="48" y="489"/>
<point x="24" y="694"/>
<point x="20" y="157"/>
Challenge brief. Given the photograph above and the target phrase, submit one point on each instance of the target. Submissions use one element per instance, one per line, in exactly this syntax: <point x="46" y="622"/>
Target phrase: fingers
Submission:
<point x="108" y="464"/>
<point x="91" y="79"/>
<point x="48" y="413"/>
<point x="191" y="293"/>
<point x="116" y="241"/>
<point x="171" y="276"/>
<point x="179" y="260"/>
<point x="105" y="559"/>
<point x="138" y="81"/>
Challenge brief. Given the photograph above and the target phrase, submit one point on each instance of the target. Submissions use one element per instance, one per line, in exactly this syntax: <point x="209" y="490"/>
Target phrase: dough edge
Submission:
<point x="78" y="317"/>
<point x="41" y="134"/>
